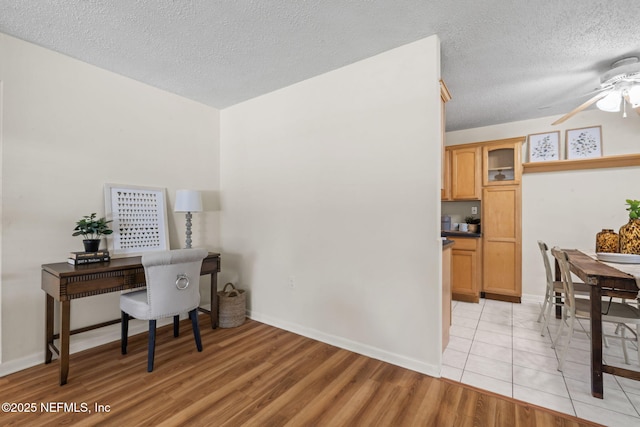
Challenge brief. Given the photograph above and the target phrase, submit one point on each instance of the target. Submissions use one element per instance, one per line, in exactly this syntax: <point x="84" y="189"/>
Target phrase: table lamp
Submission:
<point x="188" y="201"/>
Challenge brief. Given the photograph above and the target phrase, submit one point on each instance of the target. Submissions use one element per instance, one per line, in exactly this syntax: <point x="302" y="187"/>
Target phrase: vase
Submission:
<point x="91" y="245"/>
<point x="607" y="241"/>
<point x="630" y="237"/>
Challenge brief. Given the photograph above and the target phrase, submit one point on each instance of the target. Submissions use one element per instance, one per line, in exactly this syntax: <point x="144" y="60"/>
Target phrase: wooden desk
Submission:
<point x="604" y="281"/>
<point x="63" y="282"/>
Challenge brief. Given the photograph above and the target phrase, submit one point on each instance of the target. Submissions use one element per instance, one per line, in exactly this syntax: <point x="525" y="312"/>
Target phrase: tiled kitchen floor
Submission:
<point x="497" y="346"/>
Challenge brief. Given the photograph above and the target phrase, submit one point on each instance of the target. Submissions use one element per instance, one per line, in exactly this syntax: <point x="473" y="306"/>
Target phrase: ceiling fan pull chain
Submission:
<point x="624" y="108"/>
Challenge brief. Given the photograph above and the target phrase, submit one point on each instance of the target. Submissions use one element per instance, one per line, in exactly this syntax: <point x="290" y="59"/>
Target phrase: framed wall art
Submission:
<point x="584" y="143"/>
<point x="139" y="217"/>
<point x="544" y="147"/>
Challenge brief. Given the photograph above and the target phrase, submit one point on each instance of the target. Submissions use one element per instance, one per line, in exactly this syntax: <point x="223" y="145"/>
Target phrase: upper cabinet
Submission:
<point x="501" y="162"/>
<point x="465" y="173"/>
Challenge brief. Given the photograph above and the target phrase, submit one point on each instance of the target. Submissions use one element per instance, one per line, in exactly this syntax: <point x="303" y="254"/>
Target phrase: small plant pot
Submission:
<point x="91" y="245"/>
<point x="474" y="228"/>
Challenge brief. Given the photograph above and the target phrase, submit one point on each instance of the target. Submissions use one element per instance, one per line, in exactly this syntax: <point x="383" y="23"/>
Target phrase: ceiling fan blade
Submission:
<point x="574" y="98"/>
<point x="586" y="104"/>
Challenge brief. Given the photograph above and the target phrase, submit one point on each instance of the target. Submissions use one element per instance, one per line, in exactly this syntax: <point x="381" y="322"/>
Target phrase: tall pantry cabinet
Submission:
<point x="502" y="219"/>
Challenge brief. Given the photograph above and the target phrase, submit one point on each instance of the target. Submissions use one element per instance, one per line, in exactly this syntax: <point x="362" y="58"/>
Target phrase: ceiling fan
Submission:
<point x="618" y="86"/>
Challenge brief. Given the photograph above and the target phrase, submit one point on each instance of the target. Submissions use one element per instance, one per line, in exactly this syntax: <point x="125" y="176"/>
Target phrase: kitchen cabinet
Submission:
<point x="502" y="242"/>
<point x="445" y="96"/>
<point x="501" y="162"/>
<point x="466" y="264"/>
<point x="465" y="172"/>
<point x="445" y="193"/>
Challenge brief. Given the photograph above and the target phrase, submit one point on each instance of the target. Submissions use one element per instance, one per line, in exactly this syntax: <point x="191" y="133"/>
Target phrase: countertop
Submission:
<point x="460" y="234"/>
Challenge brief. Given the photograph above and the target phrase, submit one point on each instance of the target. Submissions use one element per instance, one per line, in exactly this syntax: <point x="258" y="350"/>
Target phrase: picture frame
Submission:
<point x="544" y="147"/>
<point x="139" y="216"/>
<point x="584" y="143"/>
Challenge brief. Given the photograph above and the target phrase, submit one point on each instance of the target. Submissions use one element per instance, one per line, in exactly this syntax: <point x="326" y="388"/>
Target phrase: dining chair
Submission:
<point x="172" y="279"/>
<point x="554" y="292"/>
<point x="614" y="312"/>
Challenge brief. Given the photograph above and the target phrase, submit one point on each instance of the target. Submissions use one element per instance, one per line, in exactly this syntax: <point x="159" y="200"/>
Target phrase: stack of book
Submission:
<point x="77" y="258"/>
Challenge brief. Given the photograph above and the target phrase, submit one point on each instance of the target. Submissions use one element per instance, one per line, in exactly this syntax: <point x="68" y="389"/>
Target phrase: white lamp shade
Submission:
<point x="634" y="95"/>
<point x="611" y="102"/>
<point x="188" y="201"/>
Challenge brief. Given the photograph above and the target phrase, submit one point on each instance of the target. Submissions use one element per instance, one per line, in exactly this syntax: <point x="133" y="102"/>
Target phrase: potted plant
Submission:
<point x="474" y="224"/>
<point x="630" y="232"/>
<point x="91" y="228"/>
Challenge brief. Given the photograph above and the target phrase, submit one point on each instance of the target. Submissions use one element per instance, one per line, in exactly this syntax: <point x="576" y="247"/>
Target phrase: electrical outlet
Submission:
<point x="292" y="282"/>
<point x="474" y="210"/>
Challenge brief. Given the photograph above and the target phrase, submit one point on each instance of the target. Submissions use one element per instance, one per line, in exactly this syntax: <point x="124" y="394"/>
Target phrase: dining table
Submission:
<point x="606" y="279"/>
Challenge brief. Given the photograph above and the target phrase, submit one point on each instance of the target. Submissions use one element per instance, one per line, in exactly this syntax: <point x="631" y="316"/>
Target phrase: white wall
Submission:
<point x="330" y="192"/>
<point x="69" y="128"/>
<point x="568" y="208"/>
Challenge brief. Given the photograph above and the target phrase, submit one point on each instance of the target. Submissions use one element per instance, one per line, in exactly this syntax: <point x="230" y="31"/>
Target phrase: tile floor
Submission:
<point x="497" y="346"/>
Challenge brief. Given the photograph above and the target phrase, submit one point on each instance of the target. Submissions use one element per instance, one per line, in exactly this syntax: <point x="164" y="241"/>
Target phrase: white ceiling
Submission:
<point x="501" y="59"/>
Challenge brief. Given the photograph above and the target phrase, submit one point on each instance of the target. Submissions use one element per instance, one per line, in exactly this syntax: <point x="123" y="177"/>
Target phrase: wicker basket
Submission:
<point x="232" y="307"/>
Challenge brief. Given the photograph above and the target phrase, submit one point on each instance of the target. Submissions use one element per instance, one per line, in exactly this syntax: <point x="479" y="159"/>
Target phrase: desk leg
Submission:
<point x="65" y="326"/>
<point x="214" y="301"/>
<point x="596" y="342"/>
<point x="48" y="329"/>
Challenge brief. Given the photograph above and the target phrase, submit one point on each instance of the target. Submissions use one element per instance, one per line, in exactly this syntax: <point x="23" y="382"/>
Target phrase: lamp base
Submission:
<point x="188" y="232"/>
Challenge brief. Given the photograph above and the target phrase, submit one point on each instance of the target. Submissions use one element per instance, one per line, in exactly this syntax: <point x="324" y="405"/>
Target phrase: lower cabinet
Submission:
<point x="466" y="265"/>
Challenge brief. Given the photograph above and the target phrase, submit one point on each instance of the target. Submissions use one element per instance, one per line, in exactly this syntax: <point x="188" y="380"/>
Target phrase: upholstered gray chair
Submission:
<point x="173" y="279"/>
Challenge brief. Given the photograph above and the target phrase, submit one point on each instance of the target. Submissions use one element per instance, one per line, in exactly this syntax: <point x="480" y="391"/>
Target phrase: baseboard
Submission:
<point x="81" y="342"/>
<point x="500" y="297"/>
<point x="465" y="297"/>
<point x="356" y="347"/>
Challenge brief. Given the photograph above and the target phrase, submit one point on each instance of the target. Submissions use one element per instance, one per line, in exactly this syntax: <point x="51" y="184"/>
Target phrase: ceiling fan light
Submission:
<point x="634" y="95"/>
<point x="611" y="102"/>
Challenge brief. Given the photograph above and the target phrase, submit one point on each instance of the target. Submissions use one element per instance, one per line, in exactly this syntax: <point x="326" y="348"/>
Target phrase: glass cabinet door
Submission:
<point x="501" y="164"/>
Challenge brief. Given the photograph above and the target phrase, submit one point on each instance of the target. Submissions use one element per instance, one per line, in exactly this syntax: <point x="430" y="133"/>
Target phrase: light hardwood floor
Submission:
<point x="254" y="375"/>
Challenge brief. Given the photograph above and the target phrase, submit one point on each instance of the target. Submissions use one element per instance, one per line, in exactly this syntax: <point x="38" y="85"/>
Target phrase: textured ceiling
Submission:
<point x="502" y="60"/>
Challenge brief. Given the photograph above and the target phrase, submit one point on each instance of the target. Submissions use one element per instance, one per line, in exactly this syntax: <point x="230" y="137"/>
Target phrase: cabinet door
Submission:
<point x="465" y="173"/>
<point x="501" y="163"/>
<point x="502" y="245"/>
<point x="446" y="176"/>
<point x="465" y="266"/>
<point x="445" y="96"/>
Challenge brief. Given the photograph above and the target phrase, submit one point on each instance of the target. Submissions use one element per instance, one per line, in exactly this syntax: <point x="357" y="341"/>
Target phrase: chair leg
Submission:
<point x="566" y="346"/>
<point x="563" y="320"/>
<point x="544" y="306"/>
<point x="124" y="332"/>
<point x="624" y="345"/>
<point x="638" y="340"/>
<point x="545" y="324"/>
<point x="193" y="315"/>
<point x="152" y="345"/>
<point x="176" y="326"/>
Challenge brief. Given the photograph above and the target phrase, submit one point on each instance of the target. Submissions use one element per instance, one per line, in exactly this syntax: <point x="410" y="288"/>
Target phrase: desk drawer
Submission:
<point x="100" y="283"/>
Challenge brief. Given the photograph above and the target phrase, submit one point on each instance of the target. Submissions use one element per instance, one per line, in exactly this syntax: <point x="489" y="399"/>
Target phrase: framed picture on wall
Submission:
<point x="139" y="217"/>
<point x="544" y="147"/>
<point x="584" y="143"/>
